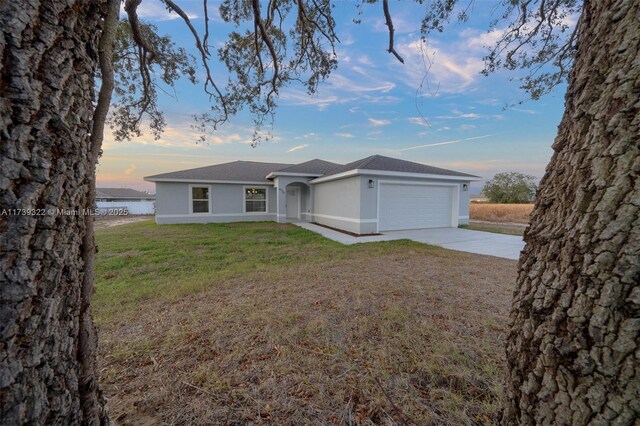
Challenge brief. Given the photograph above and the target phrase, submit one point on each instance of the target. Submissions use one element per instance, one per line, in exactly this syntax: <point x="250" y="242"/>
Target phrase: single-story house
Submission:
<point x="136" y="202"/>
<point x="371" y="195"/>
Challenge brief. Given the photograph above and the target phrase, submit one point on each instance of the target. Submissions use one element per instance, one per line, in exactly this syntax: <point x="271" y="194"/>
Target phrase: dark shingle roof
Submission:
<point x="239" y="171"/>
<point x="121" y="193"/>
<point x="251" y="171"/>
<point x="316" y="166"/>
<point x="388" y="164"/>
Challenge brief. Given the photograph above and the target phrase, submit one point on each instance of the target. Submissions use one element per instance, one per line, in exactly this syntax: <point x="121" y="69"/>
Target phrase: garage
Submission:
<point x="415" y="206"/>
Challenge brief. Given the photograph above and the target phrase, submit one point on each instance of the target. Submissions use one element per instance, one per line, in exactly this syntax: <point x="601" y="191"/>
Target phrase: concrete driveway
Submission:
<point x="492" y="244"/>
<point x="489" y="243"/>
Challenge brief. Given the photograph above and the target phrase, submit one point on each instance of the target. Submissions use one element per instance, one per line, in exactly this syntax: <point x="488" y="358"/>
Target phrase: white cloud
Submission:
<point x="344" y="135"/>
<point x="217" y="140"/>
<point x="307" y="136"/>
<point x="526" y="111"/>
<point x="482" y="40"/>
<point x="365" y="60"/>
<point x="420" y="121"/>
<point x="379" y="123"/>
<point x="129" y="170"/>
<point x="301" y="97"/>
<point x="444" y="143"/>
<point x="295" y="148"/>
<point x="448" y="68"/>
<point x="156" y="11"/>
<point x="457" y="114"/>
<point x="341" y="82"/>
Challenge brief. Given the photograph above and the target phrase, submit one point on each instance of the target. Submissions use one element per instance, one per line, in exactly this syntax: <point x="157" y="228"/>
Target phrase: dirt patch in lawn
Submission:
<point x="400" y="338"/>
<point x="102" y="222"/>
<point x="342" y="231"/>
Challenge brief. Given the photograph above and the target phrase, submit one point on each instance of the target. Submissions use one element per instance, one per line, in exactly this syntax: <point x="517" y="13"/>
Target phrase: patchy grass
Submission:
<point x="516" y="213"/>
<point x="259" y="323"/>
<point x="496" y="228"/>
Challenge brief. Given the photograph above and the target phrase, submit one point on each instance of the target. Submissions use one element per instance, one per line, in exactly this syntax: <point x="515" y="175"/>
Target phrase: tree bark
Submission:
<point x="48" y="54"/>
<point x="93" y="405"/>
<point x="573" y="348"/>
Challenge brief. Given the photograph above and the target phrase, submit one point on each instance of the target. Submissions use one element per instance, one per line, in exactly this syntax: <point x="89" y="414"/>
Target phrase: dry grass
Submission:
<point x="385" y="333"/>
<point x="497" y="228"/>
<point x="517" y="213"/>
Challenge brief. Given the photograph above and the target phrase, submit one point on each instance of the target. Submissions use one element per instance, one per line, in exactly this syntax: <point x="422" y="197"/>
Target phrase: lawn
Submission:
<point x="496" y="228"/>
<point x="259" y="323"/>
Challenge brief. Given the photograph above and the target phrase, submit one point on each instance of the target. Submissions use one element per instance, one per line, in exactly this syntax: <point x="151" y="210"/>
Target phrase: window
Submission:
<point x="200" y="199"/>
<point x="255" y="200"/>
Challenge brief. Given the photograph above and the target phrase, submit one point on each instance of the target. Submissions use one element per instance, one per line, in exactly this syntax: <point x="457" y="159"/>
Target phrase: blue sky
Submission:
<point x="371" y="105"/>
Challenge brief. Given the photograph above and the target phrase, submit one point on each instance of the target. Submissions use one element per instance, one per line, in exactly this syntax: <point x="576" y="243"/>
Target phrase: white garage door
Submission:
<point x="408" y="206"/>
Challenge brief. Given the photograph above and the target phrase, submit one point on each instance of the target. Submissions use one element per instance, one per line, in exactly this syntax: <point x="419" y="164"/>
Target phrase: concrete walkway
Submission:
<point x="499" y="245"/>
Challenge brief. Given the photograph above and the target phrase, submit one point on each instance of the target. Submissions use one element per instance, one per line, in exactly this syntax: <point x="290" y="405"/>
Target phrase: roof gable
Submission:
<point x="316" y="166"/>
<point x="388" y="164"/>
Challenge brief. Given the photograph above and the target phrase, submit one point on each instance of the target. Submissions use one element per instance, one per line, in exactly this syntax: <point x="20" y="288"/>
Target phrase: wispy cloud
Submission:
<point x="307" y="136"/>
<point x="526" y="111"/>
<point x="420" y="121"/>
<point x="456" y="114"/>
<point x="482" y="40"/>
<point x="224" y="139"/>
<point x="341" y="82"/>
<point x="448" y="68"/>
<point x="155" y="11"/>
<point x="294" y="96"/>
<point x="344" y="135"/>
<point x="444" y="143"/>
<point x="129" y="170"/>
<point x="379" y="123"/>
<point x="295" y="148"/>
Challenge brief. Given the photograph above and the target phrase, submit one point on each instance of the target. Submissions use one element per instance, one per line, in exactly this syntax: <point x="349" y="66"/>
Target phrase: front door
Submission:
<point x="293" y="203"/>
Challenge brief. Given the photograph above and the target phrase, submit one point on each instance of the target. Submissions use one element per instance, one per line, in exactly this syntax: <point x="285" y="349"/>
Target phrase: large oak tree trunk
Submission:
<point x="49" y="54"/>
<point x="573" y="348"/>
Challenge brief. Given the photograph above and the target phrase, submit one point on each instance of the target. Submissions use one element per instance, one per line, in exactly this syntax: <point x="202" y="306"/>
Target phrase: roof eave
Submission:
<point x="356" y="172"/>
<point x="276" y="174"/>
<point x="182" y="180"/>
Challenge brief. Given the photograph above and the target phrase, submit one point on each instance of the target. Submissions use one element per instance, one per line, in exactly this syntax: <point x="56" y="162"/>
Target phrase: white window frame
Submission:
<point x="244" y="199"/>
<point x="191" y="200"/>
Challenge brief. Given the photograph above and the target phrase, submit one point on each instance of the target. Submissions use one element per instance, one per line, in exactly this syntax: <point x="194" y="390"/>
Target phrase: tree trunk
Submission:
<point x="49" y="54"/>
<point x="573" y="348"/>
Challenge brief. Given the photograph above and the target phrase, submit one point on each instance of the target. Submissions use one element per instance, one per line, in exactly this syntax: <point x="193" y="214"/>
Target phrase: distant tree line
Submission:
<point x="510" y="187"/>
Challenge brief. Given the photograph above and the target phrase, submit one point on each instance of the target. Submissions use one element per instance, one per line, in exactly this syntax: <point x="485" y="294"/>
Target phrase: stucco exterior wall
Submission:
<point x="172" y="198"/>
<point x="347" y="204"/>
<point x="337" y="204"/>
<point x="226" y="204"/>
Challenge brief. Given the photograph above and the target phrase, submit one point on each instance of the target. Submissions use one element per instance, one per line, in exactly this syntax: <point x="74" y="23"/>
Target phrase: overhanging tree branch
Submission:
<point x="204" y="56"/>
<point x="255" y="4"/>
<point x="387" y="15"/>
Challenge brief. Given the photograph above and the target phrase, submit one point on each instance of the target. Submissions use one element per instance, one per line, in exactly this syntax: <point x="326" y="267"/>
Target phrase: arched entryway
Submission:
<point x="297" y="202"/>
